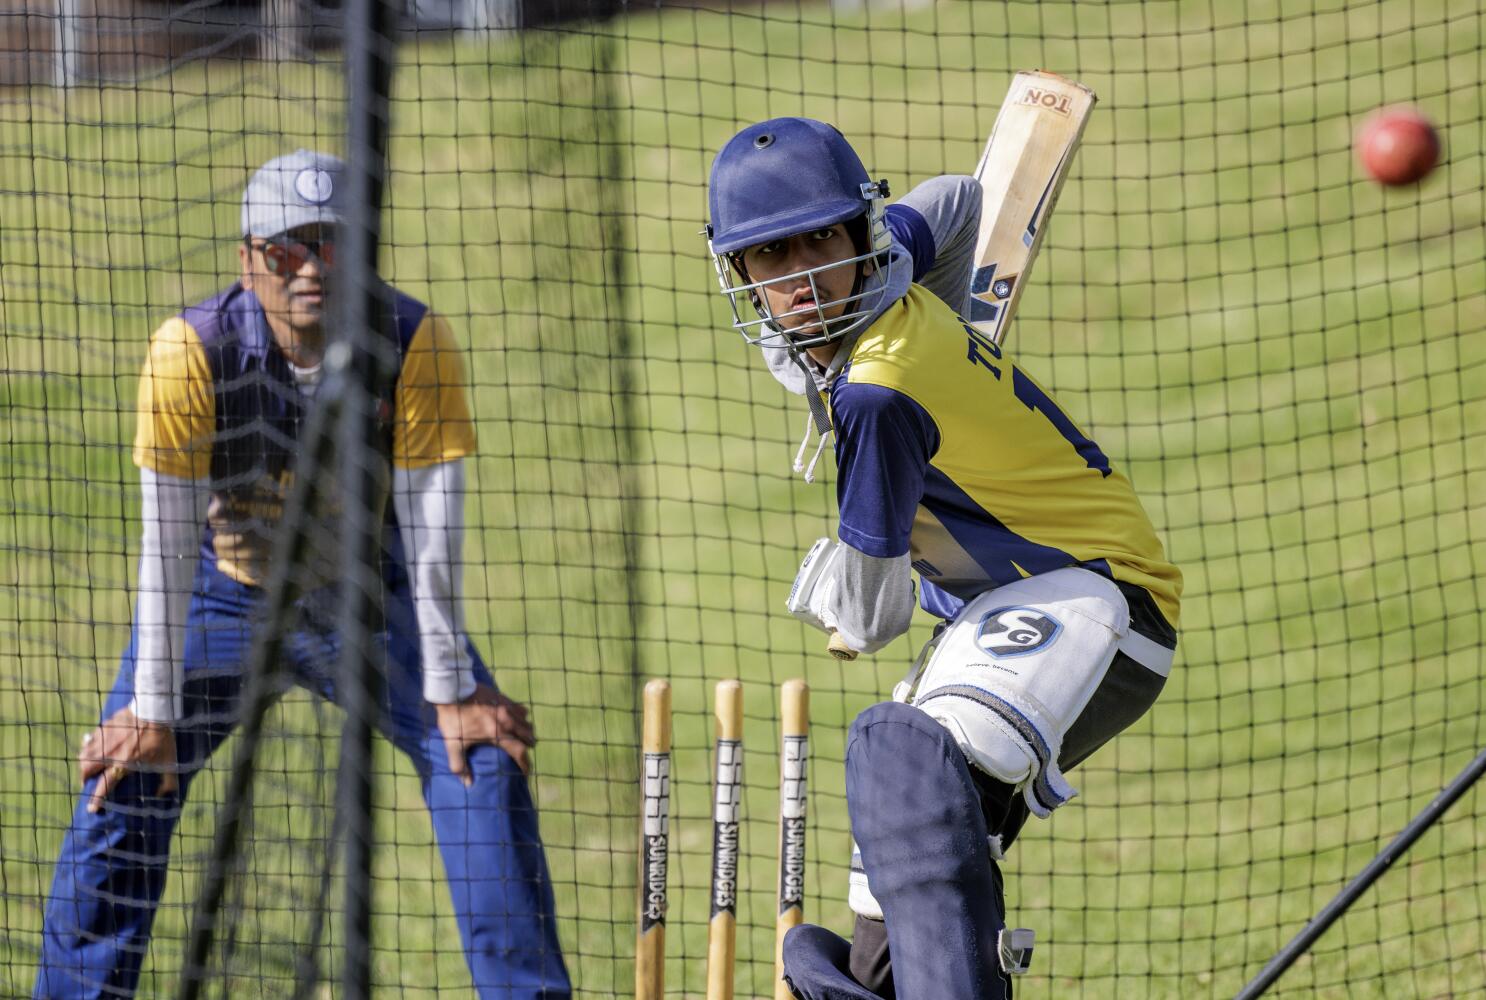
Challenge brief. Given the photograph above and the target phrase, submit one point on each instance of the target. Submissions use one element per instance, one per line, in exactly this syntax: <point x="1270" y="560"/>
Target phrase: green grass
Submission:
<point x="1287" y="360"/>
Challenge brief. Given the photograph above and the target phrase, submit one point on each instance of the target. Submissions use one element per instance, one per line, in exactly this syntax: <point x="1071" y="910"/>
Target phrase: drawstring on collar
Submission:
<point x="818" y="419"/>
<point x="800" y="465"/>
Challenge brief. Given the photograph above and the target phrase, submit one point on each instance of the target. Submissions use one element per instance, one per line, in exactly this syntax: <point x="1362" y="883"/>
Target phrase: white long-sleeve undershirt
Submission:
<point x="429" y="503"/>
<point x="173" y="512"/>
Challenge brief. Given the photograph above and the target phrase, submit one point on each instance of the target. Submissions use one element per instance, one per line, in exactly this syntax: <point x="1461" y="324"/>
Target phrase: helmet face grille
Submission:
<point x="755" y="320"/>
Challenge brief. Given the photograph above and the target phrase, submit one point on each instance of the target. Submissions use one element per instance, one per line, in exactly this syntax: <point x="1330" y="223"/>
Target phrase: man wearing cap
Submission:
<point x="223" y="397"/>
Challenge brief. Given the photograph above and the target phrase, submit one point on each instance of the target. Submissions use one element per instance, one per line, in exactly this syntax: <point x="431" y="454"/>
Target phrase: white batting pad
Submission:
<point x="1014" y="670"/>
<point x="859" y="896"/>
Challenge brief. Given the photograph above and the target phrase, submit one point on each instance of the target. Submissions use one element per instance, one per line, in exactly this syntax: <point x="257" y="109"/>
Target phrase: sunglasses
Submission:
<point x="285" y="259"/>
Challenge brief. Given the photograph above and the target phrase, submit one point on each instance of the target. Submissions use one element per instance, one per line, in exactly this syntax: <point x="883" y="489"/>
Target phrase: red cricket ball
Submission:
<point x="1398" y="146"/>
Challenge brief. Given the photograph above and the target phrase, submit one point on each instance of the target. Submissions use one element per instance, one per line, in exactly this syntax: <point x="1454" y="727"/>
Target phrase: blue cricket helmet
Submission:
<point x="782" y="177"/>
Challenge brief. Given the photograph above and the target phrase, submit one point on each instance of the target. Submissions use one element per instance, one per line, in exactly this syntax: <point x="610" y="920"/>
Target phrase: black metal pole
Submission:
<point x="1364" y="879"/>
<point x="617" y="314"/>
<point x="362" y="349"/>
<point x="260" y="670"/>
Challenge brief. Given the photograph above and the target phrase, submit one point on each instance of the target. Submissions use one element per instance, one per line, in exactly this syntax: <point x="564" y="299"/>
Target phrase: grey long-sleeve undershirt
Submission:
<point x="873" y="599"/>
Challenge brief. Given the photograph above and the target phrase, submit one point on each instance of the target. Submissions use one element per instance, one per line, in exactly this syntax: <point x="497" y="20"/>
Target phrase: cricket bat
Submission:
<point x="1026" y="159"/>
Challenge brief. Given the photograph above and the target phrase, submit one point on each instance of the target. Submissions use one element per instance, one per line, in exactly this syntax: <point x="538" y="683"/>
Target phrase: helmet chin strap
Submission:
<point x="818" y="417"/>
<point x="818" y="413"/>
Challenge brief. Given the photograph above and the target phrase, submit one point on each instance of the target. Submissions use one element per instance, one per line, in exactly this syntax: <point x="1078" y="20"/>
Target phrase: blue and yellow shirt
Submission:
<point x="218" y="401"/>
<point x="949" y="451"/>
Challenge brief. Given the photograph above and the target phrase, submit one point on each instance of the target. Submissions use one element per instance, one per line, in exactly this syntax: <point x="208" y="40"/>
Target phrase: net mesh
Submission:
<point x="1285" y="359"/>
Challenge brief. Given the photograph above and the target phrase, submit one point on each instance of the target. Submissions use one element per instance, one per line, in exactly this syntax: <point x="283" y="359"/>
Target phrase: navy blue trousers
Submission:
<point x="920" y="817"/>
<point x="917" y="818"/>
<point x="111" y="872"/>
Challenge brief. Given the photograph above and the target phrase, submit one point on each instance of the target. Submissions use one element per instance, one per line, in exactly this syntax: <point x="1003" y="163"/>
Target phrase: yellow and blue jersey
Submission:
<point x="219" y="402"/>
<point x="951" y="452"/>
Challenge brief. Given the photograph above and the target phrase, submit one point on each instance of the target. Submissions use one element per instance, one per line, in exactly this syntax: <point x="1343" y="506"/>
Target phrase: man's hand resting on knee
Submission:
<point x="487" y="716"/>
<point x="123" y="743"/>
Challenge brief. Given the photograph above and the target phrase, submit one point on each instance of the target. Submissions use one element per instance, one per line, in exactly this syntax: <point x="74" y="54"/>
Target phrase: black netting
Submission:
<point x="1286" y="359"/>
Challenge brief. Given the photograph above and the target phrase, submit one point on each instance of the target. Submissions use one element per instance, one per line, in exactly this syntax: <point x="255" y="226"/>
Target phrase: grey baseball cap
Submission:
<point x="297" y="189"/>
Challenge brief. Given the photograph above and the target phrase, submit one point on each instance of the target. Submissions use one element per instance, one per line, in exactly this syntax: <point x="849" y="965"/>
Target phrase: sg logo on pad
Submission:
<point x="1015" y="631"/>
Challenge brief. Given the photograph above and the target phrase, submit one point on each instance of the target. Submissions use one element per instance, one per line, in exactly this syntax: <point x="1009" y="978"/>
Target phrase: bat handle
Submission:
<point x="839" y="649"/>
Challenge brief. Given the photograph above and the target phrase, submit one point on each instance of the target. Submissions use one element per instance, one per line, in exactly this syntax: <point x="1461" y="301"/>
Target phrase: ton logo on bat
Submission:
<point x="1047" y="99"/>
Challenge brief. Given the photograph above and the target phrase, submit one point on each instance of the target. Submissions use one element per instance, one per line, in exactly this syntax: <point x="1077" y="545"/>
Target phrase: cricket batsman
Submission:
<point x="225" y="391"/>
<point x="1058" y="607"/>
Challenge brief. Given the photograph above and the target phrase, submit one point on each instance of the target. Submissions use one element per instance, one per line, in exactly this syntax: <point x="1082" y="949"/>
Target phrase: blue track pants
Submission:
<point x="111" y="872"/>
